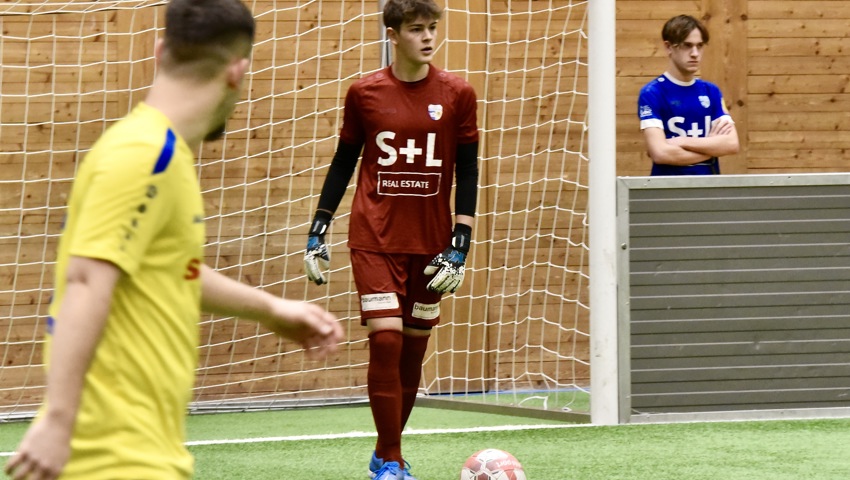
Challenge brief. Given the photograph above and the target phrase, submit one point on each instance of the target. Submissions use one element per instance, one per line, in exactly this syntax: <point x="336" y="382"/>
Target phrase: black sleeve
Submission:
<point x="339" y="174"/>
<point x="466" y="175"/>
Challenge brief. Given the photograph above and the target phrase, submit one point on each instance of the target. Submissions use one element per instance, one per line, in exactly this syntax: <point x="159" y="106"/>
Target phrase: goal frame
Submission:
<point x="602" y="91"/>
<point x="134" y="90"/>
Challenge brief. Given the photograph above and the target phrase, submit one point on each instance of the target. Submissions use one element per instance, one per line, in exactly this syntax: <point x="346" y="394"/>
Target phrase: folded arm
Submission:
<point x="721" y="140"/>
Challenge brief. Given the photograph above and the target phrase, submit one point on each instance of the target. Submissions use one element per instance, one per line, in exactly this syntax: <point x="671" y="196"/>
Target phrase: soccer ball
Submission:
<point x="492" y="464"/>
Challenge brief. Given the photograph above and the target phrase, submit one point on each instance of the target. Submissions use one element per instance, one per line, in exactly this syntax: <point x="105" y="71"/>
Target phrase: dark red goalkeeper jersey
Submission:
<point x="410" y="133"/>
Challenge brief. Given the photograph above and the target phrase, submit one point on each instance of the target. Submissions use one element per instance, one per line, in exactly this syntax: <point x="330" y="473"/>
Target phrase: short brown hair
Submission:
<point x="677" y="29"/>
<point x="396" y="12"/>
<point x="201" y="36"/>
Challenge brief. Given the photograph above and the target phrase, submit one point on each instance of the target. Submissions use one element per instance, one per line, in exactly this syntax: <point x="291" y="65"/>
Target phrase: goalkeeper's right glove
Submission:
<point x="449" y="266"/>
<point x="317" y="257"/>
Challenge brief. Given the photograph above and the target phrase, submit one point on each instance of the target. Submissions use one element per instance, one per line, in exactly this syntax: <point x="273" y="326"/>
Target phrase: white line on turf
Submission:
<point x="333" y="436"/>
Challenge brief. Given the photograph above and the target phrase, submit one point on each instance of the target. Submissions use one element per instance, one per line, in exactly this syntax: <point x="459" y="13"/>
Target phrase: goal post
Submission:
<point x="518" y="331"/>
<point x="602" y="108"/>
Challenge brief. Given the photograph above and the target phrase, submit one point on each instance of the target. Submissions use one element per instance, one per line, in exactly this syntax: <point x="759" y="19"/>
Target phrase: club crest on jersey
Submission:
<point x="704" y="101"/>
<point x="435" y="112"/>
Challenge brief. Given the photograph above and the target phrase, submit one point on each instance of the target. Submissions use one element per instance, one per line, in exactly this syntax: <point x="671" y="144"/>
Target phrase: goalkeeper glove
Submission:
<point x="450" y="265"/>
<point x="317" y="257"/>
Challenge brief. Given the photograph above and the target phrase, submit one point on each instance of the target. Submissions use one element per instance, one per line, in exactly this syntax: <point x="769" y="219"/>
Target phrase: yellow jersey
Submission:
<point x="136" y="202"/>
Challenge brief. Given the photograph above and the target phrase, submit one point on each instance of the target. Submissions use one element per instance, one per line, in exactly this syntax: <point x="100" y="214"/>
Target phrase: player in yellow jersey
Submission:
<point x="122" y="337"/>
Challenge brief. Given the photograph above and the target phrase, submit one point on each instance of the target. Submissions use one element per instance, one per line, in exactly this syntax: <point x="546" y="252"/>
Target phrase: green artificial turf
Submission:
<point x="288" y="444"/>
<point x="775" y="450"/>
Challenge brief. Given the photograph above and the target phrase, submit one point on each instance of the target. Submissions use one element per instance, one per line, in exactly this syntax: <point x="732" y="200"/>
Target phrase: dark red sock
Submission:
<point x="385" y="393"/>
<point x="410" y="368"/>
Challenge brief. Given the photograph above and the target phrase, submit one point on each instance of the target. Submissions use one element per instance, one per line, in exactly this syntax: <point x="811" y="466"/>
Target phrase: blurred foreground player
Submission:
<point x="122" y="341"/>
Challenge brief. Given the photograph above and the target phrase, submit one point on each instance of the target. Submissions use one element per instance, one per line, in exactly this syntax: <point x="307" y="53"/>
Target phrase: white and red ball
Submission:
<point x="492" y="464"/>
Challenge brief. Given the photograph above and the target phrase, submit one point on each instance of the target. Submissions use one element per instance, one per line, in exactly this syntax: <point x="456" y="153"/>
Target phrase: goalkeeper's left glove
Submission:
<point x="450" y="265"/>
<point x="316" y="256"/>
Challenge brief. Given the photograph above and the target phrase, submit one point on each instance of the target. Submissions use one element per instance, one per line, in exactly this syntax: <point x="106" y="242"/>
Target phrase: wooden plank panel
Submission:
<point x="811" y="140"/>
<point x="809" y="159"/>
<point x="791" y="9"/>
<point x="658" y="12"/>
<point x="799" y="122"/>
<point x="797" y="28"/>
<point x="800" y="103"/>
<point x="773" y="47"/>
<point x="814" y="65"/>
<point x="29" y="376"/>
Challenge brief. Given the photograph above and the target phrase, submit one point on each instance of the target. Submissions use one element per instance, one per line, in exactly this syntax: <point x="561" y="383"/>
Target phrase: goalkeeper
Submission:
<point x="416" y="127"/>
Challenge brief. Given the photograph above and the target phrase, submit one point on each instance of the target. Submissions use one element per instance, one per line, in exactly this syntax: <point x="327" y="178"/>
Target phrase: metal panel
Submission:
<point x="735" y="295"/>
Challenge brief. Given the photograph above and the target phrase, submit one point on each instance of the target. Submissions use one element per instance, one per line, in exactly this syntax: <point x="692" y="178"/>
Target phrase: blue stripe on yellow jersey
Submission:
<point x="167" y="152"/>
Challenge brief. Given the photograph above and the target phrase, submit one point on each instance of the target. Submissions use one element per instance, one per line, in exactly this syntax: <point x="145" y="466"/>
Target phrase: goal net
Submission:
<point x="515" y="333"/>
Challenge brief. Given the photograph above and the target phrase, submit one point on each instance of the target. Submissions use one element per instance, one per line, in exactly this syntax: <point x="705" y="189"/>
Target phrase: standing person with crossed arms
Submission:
<point x="417" y="129"/>
<point x="122" y="337"/>
<point x="684" y="119"/>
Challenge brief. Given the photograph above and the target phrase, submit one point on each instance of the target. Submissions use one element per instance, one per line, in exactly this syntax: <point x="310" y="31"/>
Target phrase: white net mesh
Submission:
<point x="517" y="327"/>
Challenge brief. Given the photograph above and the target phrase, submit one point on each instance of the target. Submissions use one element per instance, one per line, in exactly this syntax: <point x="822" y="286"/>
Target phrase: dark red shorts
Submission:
<point x="394" y="285"/>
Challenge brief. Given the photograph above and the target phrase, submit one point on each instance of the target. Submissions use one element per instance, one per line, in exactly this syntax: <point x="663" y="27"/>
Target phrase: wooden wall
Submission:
<point x="783" y="66"/>
<point x="68" y="75"/>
